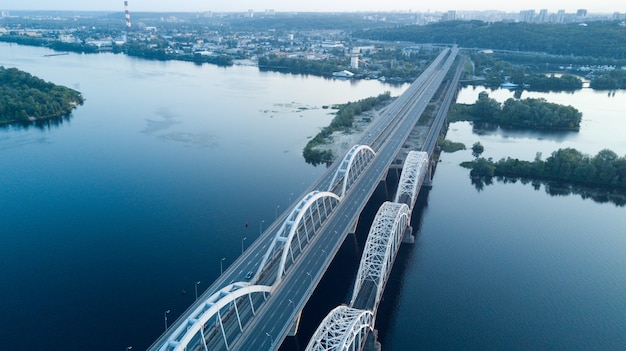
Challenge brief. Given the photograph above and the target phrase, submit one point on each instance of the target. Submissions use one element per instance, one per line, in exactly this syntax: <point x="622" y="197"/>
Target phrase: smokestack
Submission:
<point x="128" y="25"/>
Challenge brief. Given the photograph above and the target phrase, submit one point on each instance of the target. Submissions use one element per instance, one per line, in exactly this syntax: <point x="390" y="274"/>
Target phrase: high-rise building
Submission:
<point x="542" y="17"/>
<point x="560" y="16"/>
<point x="526" y="15"/>
<point x="581" y="13"/>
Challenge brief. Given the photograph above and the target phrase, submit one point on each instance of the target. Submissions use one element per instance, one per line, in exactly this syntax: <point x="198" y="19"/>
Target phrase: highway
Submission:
<point x="269" y="327"/>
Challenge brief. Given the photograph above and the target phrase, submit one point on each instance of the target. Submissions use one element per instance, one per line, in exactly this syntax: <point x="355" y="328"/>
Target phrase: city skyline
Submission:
<point x="601" y="6"/>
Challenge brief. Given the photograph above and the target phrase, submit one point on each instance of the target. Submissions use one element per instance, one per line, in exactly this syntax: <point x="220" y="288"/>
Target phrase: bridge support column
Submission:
<point x="428" y="179"/>
<point x="372" y="343"/>
<point x="293" y="328"/>
<point x="408" y="238"/>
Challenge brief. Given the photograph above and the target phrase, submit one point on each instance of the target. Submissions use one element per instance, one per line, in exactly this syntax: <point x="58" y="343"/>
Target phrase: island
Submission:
<point x="606" y="169"/>
<point x="527" y="113"/>
<point x="26" y="98"/>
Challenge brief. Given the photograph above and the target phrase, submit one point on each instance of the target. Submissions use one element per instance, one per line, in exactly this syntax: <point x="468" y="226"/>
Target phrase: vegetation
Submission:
<point x="605" y="169"/>
<point x="497" y="71"/>
<point x="477" y="149"/>
<point x="25" y="98"/>
<point x="343" y="120"/>
<point x="450" y="146"/>
<point x="527" y="113"/>
<point x="614" y="79"/>
<point x="323" y="68"/>
<point x="597" y="39"/>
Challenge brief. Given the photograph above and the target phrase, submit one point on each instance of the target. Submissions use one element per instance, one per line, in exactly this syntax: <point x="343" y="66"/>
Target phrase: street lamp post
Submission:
<point x="276" y="212"/>
<point x="165" y="318"/>
<point x="290" y="195"/>
<point x="197" y="283"/>
<point x="242" y="240"/>
<point x="294" y="305"/>
<point x="221" y="265"/>
<point x="271" y="339"/>
<point x="309" y="274"/>
<point x="261" y="227"/>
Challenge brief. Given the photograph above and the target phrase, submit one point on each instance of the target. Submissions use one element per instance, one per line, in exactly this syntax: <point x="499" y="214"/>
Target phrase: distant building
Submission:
<point x="527" y="16"/>
<point x="449" y="16"/>
<point x="542" y="17"/>
<point x="581" y="13"/>
<point x="560" y="16"/>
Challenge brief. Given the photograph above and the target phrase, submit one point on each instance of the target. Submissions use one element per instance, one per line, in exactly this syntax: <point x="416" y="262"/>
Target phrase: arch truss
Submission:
<point x="355" y="161"/>
<point x="380" y="250"/>
<point x="413" y="172"/>
<point x="212" y="322"/>
<point x="300" y="226"/>
<point x="344" y="328"/>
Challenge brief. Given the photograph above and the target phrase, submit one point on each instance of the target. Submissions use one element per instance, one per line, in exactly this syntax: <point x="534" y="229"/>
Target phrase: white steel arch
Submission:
<point x="359" y="157"/>
<point x="380" y="250"/>
<point x="187" y="330"/>
<point x="306" y="217"/>
<point x="344" y="328"/>
<point x="413" y="172"/>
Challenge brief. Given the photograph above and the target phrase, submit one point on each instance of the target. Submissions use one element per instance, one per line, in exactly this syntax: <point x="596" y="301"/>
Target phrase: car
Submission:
<point x="249" y="275"/>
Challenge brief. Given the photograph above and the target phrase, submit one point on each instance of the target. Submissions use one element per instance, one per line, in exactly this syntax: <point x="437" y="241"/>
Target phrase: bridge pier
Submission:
<point x="428" y="179"/>
<point x="295" y="324"/>
<point x="372" y="343"/>
<point x="408" y="238"/>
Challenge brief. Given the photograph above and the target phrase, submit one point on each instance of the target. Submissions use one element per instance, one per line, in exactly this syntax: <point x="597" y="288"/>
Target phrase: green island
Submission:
<point x="605" y="169"/>
<point x="26" y="98"/>
<point x="343" y="121"/>
<point x="526" y="113"/>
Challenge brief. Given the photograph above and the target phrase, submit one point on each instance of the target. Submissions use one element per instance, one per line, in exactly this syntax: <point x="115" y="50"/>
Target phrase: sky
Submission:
<point x="570" y="6"/>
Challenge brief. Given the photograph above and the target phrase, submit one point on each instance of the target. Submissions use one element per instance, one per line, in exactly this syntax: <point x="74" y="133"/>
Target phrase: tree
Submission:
<point x="477" y="149"/>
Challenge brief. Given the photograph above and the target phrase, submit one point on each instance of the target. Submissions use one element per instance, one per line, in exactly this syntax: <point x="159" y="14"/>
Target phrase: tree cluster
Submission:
<point x="499" y="71"/>
<point x="527" y="113"/>
<point x="614" y="79"/>
<point x="324" y="68"/>
<point x="605" y="169"/>
<point x="24" y="97"/>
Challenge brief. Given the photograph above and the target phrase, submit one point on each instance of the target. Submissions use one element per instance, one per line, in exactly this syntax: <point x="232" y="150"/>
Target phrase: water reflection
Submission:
<point x="599" y="195"/>
<point x="43" y="124"/>
<point x="485" y="128"/>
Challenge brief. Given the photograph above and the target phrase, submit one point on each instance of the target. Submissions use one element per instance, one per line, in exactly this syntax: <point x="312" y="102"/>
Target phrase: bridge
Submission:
<point x="258" y="300"/>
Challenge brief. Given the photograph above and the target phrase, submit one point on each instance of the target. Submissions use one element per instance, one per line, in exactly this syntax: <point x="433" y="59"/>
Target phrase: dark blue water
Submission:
<point x="105" y="218"/>
<point x="510" y="267"/>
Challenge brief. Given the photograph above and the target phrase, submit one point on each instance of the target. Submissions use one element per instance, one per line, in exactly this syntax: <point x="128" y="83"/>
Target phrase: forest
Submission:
<point x="605" y="169"/>
<point x="24" y="97"/>
<point x="596" y="39"/>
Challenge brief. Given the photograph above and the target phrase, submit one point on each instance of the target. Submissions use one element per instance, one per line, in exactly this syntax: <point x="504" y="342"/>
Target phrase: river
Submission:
<point x="111" y="216"/>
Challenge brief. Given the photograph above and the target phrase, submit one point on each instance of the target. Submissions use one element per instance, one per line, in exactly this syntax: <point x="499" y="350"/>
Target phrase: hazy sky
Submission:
<point x="606" y="6"/>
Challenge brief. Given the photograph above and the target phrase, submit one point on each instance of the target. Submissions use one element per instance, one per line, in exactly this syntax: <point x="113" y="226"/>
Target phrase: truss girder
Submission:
<point x="301" y="224"/>
<point x="188" y="330"/>
<point x="413" y="172"/>
<point x="357" y="158"/>
<point x="344" y="328"/>
<point x="382" y="244"/>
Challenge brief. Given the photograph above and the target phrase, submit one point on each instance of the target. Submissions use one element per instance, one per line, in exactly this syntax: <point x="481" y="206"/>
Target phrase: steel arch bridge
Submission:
<point x="380" y="250"/>
<point x="206" y="322"/>
<point x="413" y="172"/>
<point x="344" y="328"/>
<point x="301" y="224"/>
<point x="353" y="163"/>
